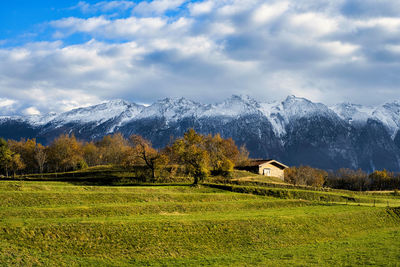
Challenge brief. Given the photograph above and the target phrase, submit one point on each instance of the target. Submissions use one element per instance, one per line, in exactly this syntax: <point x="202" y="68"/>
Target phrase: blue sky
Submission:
<point x="57" y="55"/>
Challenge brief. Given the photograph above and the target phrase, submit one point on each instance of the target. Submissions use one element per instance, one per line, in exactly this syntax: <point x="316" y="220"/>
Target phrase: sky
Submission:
<point x="56" y="55"/>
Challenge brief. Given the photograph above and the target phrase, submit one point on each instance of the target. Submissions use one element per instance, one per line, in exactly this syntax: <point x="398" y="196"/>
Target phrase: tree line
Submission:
<point x="200" y="155"/>
<point x="356" y="180"/>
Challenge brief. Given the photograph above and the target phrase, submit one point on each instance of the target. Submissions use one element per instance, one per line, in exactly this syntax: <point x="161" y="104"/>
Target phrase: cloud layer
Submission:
<point x="345" y="50"/>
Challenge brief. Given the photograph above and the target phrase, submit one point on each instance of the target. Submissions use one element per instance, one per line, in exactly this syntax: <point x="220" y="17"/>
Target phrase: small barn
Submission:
<point x="267" y="167"/>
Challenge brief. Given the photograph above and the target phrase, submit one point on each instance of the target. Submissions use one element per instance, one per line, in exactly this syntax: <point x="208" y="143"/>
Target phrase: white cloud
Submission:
<point x="6" y="103"/>
<point x="233" y="7"/>
<point x="391" y="25"/>
<point x="221" y="29"/>
<point x="393" y="48"/>
<point x="103" y="6"/>
<point x="339" y="48"/>
<point x="131" y="27"/>
<point x="7" y="106"/>
<point x="31" y="111"/>
<point x="267" y="12"/>
<point x="201" y="8"/>
<point x="205" y="50"/>
<point x="313" y="24"/>
<point x="72" y="25"/>
<point x="157" y="7"/>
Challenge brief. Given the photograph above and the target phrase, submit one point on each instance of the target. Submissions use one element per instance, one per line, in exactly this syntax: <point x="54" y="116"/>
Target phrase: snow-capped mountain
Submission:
<point x="387" y="114"/>
<point x="292" y="108"/>
<point x="172" y="109"/>
<point x="353" y="113"/>
<point x="295" y="130"/>
<point x="98" y="113"/>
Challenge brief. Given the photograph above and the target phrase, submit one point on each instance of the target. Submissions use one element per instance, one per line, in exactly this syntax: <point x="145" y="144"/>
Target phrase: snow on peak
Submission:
<point x="4" y="118"/>
<point x="353" y="113"/>
<point x="242" y="99"/>
<point x="280" y="114"/>
<point x="389" y="115"/>
<point x="172" y="109"/>
<point x="97" y="113"/>
<point x="234" y="106"/>
<point x="295" y="107"/>
<point x="41" y="120"/>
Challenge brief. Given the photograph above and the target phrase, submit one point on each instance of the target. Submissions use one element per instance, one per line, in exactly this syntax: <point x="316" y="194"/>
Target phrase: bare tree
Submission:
<point x="40" y="157"/>
<point x="144" y="151"/>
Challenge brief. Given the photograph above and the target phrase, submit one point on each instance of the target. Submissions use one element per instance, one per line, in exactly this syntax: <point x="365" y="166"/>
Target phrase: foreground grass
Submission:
<point x="58" y="224"/>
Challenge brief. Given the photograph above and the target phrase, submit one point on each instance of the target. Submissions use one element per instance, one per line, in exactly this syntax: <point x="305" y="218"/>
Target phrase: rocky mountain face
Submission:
<point x="295" y="130"/>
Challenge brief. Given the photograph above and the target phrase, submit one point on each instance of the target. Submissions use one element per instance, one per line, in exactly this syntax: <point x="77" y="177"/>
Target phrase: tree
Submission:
<point x="40" y="157"/>
<point x="305" y="175"/>
<point x="224" y="154"/>
<point x="5" y="156"/>
<point x="91" y="154"/>
<point x="191" y="151"/>
<point x="243" y="157"/>
<point x="291" y="175"/>
<point x="65" y="153"/>
<point x="348" y="179"/>
<point x="112" y="149"/>
<point x="26" y="150"/>
<point x="380" y="179"/>
<point x="16" y="163"/>
<point x="142" y="149"/>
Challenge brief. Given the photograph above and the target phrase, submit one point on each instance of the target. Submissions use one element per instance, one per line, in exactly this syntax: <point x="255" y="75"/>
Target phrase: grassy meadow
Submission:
<point x="54" y="223"/>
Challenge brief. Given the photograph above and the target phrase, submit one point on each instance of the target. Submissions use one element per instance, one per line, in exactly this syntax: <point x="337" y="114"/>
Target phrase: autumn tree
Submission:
<point x="91" y="154"/>
<point x="380" y="179"/>
<point x="5" y="156"/>
<point x="223" y="154"/>
<point x="112" y="149"/>
<point x="16" y="163"/>
<point x="290" y="175"/>
<point x="143" y="151"/>
<point x="315" y="177"/>
<point x="40" y="157"/>
<point x="26" y="150"/>
<point x="191" y="151"/>
<point x="305" y="175"/>
<point x="65" y="153"/>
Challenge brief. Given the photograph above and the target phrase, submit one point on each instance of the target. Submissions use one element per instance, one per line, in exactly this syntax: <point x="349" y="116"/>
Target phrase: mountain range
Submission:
<point x="295" y="131"/>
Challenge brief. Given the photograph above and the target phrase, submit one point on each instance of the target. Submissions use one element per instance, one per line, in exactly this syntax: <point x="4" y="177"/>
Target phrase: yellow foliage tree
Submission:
<point x="65" y="153"/>
<point x="26" y="150"/>
<point x="191" y="151"/>
<point x="91" y="154"/>
<point x="112" y="149"/>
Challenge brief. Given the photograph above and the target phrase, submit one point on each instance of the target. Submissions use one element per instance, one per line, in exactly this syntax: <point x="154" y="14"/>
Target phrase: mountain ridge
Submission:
<point x="347" y="111"/>
<point x="295" y="130"/>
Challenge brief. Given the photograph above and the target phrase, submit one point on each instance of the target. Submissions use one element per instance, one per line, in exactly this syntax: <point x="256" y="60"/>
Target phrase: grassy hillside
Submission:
<point x="58" y="223"/>
<point x="327" y="196"/>
<point x="105" y="175"/>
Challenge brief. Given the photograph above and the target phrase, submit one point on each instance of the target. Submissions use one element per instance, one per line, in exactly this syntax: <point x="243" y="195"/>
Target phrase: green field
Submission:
<point x="60" y="224"/>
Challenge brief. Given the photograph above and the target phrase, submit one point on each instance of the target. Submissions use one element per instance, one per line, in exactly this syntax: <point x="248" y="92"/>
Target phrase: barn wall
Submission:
<point x="275" y="171"/>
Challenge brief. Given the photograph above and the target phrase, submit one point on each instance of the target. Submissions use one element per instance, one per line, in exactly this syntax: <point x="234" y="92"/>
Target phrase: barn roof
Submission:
<point x="258" y="162"/>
